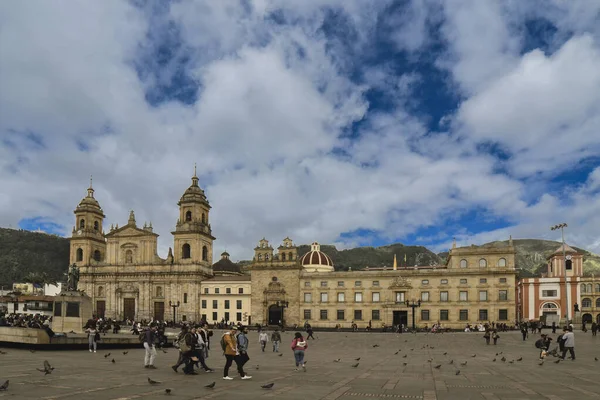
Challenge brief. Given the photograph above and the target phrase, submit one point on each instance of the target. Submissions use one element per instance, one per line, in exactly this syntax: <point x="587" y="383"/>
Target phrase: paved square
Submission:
<point x="381" y="374"/>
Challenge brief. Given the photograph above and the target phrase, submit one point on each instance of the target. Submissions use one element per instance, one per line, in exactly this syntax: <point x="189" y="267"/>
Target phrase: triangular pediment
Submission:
<point x="129" y="231"/>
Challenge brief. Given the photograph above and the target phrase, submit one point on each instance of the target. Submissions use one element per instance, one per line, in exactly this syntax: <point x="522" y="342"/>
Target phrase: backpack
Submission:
<point x="142" y="337"/>
<point x="301" y="345"/>
<point x="539" y="343"/>
<point x="223" y="342"/>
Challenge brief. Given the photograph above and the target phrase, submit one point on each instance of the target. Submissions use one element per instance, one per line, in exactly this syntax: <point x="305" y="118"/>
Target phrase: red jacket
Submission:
<point x="295" y="344"/>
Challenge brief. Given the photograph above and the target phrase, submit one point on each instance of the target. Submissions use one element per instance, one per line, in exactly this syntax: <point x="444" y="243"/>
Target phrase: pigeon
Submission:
<point x="396" y="352"/>
<point x="357" y="359"/>
<point x="541" y="363"/>
<point x="210" y="385"/>
<point x="432" y="348"/>
<point x="503" y="359"/>
<point x="595" y="358"/>
<point x="281" y="355"/>
<point x="375" y="345"/>
<point x="112" y="361"/>
<point x="446" y="353"/>
<point x="4" y="386"/>
<point x="47" y="368"/>
<point x="164" y="351"/>
<point x="457" y="372"/>
<point x="451" y="362"/>
<point x="404" y="356"/>
<point x="557" y="361"/>
<point x="520" y="359"/>
<point x="438" y="366"/>
<point x="150" y="381"/>
<point x="473" y="355"/>
<point x="168" y="391"/>
<point x="511" y="362"/>
<point x="411" y="349"/>
<point x="257" y="366"/>
<point x="494" y="360"/>
<point x="496" y="354"/>
<point x="430" y="360"/>
<point x="406" y="341"/>
<point x="107" y="355"/>
<point x="463" y="363"/>
<point x="125" y="352"/>
<point x="32" y="351"/>
<point x="355" y="365"/>
<point x="338" y="360"/>
<point x="268" y="386"/>
<point x="3" y="352"/>
<point x="405" y="364"/>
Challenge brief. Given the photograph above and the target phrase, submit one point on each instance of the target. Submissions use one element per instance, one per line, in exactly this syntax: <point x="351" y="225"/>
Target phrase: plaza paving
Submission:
<point x="381" y="374"/>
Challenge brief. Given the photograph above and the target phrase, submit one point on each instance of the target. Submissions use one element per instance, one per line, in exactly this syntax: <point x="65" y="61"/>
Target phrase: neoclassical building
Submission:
<point x="122" y="272"/>
<point x="476" y="284"/>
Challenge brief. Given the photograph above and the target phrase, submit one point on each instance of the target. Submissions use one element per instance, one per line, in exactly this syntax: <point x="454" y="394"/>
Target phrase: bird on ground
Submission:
<point x="107" y="355"/>
<point x="396" y="352"/>
<point x="125" y="352"/>
<point x="451" y="362"/>
<point x="405" y="364"/>
<point x="32" y="351"/>
<point x="511" y="362"/>
<point x="268" y="386"/>
<point x="338" y="360"/>
<point x="281" y="355"/>
<point x="210" y="385"/>
<point x="520" y="359"/>
<point x="557" y="361"/>
<point x="404" y="356"/>
<point x="257" y="366"/>
<point x="446" y="353"/>
<point x="3" y="352"/>
<point x="411" y="349"/>
<point x="457" y="372"/>
<point x="496" y="354"/>
<point x="541" y="363"/>
<point x="4" y="386"/>
<point x="430" y="360"/>
<point x="438" y="366"/>
<point x="463" y="363"/>
<point x="473" y="355"/>
<point x="432" y="347"/>
<point x="355" y="365"/>
<point x="47" y="368"/>
<point x="357" y="359"/>
<point x="164" y="351"/>
<point x="503" y="359"/>
<point x="595" y="358"/>
<point x="112" y="361"/>
<point x="150" y="381"/>
<point x="375" y="345"/>
<point x="494" y="360"/>
<point x="406" y="341"/>
<point x="168" y="391"/>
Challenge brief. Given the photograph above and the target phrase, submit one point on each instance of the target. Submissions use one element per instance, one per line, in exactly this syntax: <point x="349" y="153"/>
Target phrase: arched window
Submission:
<point x="597" y="287"/>
<point x="186" y="251"/>
<point x="463" y="263"/>
<point x="96" y="225"/>
<point x="97" y="255"/>
<point x="159" y="291"/>
<point x="266" y="257"/>
<point x="204" y="253"/>
<point x="81" y="223"/>
<point x="483" y="263"/>
<point x="100" y="291"/>
<point x="260" y="257"/>
<point x="291" y="256"/>
<point x="569" y="265"/>
<point x="282" y="256"/>
<point x="129" y="257"/>
<point x="502" y="262"/>
<point x="188" y="216"/>
<point x="549" y="306"/>
<point x="586" y="303"/>
<point x="589" y="288"/>
<point x="598" y="302"/>
<point x="203" y="218"/>
<point x="79" y="255"/>
<point x="583" y="288"/>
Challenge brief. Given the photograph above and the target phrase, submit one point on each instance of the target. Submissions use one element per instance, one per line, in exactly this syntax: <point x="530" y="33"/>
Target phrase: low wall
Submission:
<point x="23" y="335"/>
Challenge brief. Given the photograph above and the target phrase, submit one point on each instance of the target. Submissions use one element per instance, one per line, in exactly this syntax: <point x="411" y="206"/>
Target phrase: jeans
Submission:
<point x="241" y="360"/>
<point x="299" y="356"/>
<point x="276" y="346"/>
<point x="263" y="344"/>
<point x="150" y="354"/>
<point x="92" y="342"/>
<point x="228" y="362"/>
<point x="571" y="351"/>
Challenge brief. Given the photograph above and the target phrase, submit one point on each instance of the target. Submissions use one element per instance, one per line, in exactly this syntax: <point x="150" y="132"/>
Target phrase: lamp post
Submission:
<point x="174" y="305"/>
<point x="562" y="232"/>
<point x="282" y="304"/>
<point x="413" y="304"/>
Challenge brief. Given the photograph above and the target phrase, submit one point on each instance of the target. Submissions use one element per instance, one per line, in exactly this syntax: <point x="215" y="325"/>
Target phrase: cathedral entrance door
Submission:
<point x="400" y="317"/>
<point x="100" y="308"/>
<point x="129" y="308"/>
<point x="159" y="311"/>
<point x="275" y="314"/>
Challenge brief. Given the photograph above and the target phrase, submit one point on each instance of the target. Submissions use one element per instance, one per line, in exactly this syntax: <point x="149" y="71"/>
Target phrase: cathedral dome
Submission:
<point x="225" y="266"/>
<point x="194" y="193"/>
<point x="316" y="261"/>
<point x="89" y="203"/>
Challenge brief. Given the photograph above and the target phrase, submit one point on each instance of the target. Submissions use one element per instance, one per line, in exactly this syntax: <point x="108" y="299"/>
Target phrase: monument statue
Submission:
<point x="73" y="278"/>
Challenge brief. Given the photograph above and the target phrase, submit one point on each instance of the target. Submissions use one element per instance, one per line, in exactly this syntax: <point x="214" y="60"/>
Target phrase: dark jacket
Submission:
<point x="150" y="337"/>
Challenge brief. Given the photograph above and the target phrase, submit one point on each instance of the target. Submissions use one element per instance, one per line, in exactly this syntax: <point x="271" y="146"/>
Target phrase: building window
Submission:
<point x="282" y="256"/>
<point x="241" y="290"/>
<point x="425" y="282"/>
<point x="483" y="315"/>
<point x="358" y="315"/>
<point x="463" y="315"/>
<point x="96" y="226"/>
<point x="549" y="293"/>
<point x="227" y="316"/>
<point x="357" y="283"/>
<point x="215" y="316"/>
<point x="375" y="297"/>
<point x="482" y="281"/>
<point x="323" y="283"/>
<point x="482" y="263"/>
<point x="205" y="290"/>
<point x="503" y="295"/>
<point x="215" y="304"/>
<point x="463" y="264"/>
<point x="483" y="295"/>
<point x="72" y="309"/>
<point x="586" y="303"/>
<point x="188" y="216"/>
<point x="358" y="297"/>
<point x="503" y="315"/>
<point x="444" y="281"/>
<point x="324" y="297"/>
<point x="82" y="224"/>
<point x="424" y="296"/>
<point x="185" y="298"/>
<point x="203" y="303"/>
<point x="308" y="297"/>
<point x="238" y="304"/>
<point x="424" y="315"/>
<point x="203" y="218"/>
<point x="57" y="309"/>
<point x="443" y="296"/>
<point x="502" y="262"/>
<point x="502" y="280"/>
<point x="97" y="255"/>
<point x="306" y="284"/>
<point x="340" y="283"/>
<point x="79" y="255"/>
<point x="341" y="297"/>
<point x="340" y="315"/>
<point x="228" y="290"/>
<point x="238" y="317"/>
<point x="101" y="291"/>
<point x="375" y="315"/>
<point x="307" y="314"/>
<point x="159" y="291"/>
<point x="323" y="314"/>
<point x="226" y="304"/>
<point x="375" y="283"/>
<point x="569" y="265"/>
<point x="463" y="281"/>
<point x="583" y="288"/>
<point x="400" y="297"/>
<point x="443" y="315"/>
<point x="204" y="253"/>
<point x="186" y="251"/>
<point x="463" y="296"/>
<point x="217" y="290"/>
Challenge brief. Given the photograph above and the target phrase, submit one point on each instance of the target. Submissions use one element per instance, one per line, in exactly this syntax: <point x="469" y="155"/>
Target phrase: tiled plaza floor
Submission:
<point x="381" y="373"/>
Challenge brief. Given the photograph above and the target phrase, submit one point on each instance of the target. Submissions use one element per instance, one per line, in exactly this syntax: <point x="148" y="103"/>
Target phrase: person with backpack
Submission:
<point x="276" y="339"/>
<point x="299" y="346"/>
<point x="180" y="344"/>
<point x="229" y="346"/>
<point x="241" y="358"/>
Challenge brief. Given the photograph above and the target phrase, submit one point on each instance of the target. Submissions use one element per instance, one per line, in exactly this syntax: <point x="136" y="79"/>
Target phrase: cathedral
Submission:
<point x="122" y="272"/>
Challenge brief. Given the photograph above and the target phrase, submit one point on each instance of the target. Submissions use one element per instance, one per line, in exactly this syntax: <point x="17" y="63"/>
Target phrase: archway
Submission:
<point x="550" y="309"/>
<point x="275" y="314"/>
<point x="587" y="318"/>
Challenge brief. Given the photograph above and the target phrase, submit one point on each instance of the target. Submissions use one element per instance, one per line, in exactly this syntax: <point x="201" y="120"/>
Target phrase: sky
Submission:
<point x="347" y="122"/>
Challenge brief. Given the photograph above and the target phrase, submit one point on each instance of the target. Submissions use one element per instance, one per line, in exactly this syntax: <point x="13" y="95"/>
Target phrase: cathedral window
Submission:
<point x="96" y="225"/>
<point x="79" y="255"/>
<point x="81" y="223"/>
<point x="586" y="303"/>
<point x="260" y="257"/>
<point x="129" y="257"/>
<point x="100" y="291"/>
<point x="282" y="256"/>
<point x="159" y="291"/>
<point x="502" y="262"/>
<point x="188" y="216"/>
<point x="290" y="256"/>
<point x="204" y="253"/>
<point x="463" y="263"/>
<point x="97" y="255"/>
<point x="483" y="263"/>
<point x="186" y="251"/>
<point x="266" y="257"/>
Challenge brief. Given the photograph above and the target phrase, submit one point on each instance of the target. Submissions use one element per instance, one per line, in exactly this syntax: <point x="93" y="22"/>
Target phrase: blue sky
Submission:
<point x="341" y="121"/>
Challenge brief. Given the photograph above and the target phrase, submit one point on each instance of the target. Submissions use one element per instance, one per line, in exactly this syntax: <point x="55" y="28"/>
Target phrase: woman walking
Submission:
<point x="93" y="336"/>
<point x="299" y="346"/>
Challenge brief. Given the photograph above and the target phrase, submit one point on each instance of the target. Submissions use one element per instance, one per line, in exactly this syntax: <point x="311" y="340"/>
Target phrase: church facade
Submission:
<point x="122" y="272"/>
<point x="477" y="284"/>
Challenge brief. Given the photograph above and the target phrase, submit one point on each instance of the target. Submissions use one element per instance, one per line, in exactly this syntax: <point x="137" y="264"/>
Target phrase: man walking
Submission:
<point x="569" y="339"/>
<point x="149" y="340"/>
<point x="229" y="345"/>
<point x="276" y="339"/>
<point x="242" y="357"/>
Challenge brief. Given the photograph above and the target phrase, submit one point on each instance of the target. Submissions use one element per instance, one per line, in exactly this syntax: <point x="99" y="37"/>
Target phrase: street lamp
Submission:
<point x="562" y="232"/>
<point x="282" y="305"/>
<point x="413" y="304"/>
<point x="174" y="305"/>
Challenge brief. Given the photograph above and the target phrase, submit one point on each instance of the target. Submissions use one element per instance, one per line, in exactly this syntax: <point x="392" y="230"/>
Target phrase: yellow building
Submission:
<point x="477" y="284"/>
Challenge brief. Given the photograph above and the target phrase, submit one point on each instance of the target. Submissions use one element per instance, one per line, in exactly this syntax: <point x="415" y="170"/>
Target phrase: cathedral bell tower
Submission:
<point x="87" y="240"/>
<point x="193" y="235"/>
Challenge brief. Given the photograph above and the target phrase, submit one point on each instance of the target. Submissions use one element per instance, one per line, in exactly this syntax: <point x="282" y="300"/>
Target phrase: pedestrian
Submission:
<point x="543" y="343"/>
<point x="524" y="330"/>
<point x="263" y="338"/>
<point x="495" y="336"/>
<point x="93" y="337"/>
<point x="276" y="339"/>
<point x="553" y="327"/>
<point x="241" y="357"/>
<point x="309" y="331"/>
<point x="149" y="345"/>
<point x="561" y="340"/>
<point x="206" y="334"/>
<point x="487" y="336"/>
<point x="229" y="346"/>
<point x="569" y="339"/>
<point x="594" y="328"/>
<point x="183" y="347"/>
<point x="299" y="346"/>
